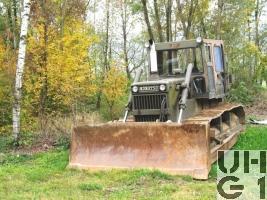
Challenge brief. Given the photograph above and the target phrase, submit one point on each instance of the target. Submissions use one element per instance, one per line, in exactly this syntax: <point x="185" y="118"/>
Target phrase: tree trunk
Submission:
<point x="124" y="34"/>
<point x="63" y="16"/>
<point x="106" y="59"/>
<point x="203" y="28"/>
<point x="257" y="41"/>
<point x="20" y="70"/>
<point x="186" y="21"/>
<point x="107" y="37"/>
<point x="44" y="87"/>
<point x="10" y="38"/>
<point x="168" y="20"/>
<point x="147" y="20"/>
<point x="249" y="27"/>
<point x="157" y="17"/>
<point x="98" y="100"/>
<point x="219" y="19"/>
<point x="192" y="8"/>
<point x="94" y="11"/>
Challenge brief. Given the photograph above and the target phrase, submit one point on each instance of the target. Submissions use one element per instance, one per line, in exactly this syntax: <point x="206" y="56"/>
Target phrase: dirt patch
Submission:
<point x="43" y="145"/>
<point x="258" y="108"/>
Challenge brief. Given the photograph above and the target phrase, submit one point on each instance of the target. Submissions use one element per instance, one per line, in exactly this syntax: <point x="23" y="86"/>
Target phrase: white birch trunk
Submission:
<point x="20" y="69"/>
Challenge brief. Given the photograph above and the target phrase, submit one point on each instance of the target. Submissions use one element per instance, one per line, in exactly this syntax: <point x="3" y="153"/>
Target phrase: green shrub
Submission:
<point x="241" y="93"/>
<point x="63" y="142"/>
<point x="117" y="111"/>
<point x="5" y="143"/>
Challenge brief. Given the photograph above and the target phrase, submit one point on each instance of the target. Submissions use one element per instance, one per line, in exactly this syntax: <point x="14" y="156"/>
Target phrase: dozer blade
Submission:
<point x="176" y="149"/>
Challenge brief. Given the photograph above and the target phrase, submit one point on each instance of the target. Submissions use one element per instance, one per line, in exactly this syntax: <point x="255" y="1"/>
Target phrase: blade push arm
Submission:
<point x="129" y="104"/>
<point x="185" y="90"/>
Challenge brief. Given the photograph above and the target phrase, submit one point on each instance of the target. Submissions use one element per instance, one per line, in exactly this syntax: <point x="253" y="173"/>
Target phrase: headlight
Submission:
<point x="147" y="45"/>
<point x="135" y="88"/>
<point x="199" y="40"/>
<point x="162" y="87"/>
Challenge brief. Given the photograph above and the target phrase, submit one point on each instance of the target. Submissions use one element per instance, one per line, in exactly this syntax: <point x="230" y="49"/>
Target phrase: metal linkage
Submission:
<point x="185" y="91"/>
<point x="128" y="107"/>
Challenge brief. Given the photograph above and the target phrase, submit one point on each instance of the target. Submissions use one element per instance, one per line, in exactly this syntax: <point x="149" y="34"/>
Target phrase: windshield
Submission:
<point x="171" y="62"/>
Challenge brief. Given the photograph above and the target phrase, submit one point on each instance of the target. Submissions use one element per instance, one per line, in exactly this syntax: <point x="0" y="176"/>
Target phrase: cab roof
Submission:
<point x="184" y="44"/>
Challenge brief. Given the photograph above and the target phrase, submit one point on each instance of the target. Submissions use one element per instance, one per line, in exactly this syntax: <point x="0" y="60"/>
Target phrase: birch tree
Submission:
<point x="20" y="69"/>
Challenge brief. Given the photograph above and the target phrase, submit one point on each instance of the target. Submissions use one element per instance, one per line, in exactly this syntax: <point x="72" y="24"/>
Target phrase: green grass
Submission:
<point x="255" y="138"/>
<point x="45" y="176"/>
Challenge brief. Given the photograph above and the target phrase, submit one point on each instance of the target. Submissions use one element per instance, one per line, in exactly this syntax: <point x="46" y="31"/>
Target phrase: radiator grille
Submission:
<point x="152" y="101"/>
<point x="146" y="118"/>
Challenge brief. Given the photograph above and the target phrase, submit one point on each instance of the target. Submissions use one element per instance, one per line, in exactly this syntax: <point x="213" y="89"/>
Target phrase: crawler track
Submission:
<point x="226" y="121"/>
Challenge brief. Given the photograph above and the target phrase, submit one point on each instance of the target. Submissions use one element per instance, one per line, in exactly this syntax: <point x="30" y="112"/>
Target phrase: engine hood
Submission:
<point x="166" y="81"/>
<point x="153" y="86"/>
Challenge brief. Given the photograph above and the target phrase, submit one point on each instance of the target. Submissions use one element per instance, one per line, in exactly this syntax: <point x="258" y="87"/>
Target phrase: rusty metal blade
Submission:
<point x="177" y="149"/>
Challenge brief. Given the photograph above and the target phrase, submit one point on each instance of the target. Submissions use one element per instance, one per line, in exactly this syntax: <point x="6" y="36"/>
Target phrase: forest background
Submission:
<point x="82" y="55"/>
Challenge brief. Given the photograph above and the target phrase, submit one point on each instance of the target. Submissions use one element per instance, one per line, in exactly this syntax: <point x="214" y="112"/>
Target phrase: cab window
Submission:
<point x="218" y="57"/>
<point x="178" y="60"/>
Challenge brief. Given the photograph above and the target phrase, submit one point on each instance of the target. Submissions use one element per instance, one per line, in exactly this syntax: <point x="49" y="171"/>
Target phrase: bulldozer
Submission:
<point x="176" y="118"/>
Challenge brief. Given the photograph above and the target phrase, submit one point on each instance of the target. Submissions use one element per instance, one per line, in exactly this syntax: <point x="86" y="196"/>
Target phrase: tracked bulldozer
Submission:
<point x="176" y="118"/>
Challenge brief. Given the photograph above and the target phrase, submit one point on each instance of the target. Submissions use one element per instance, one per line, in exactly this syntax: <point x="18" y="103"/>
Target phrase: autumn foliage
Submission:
<point x="114" y="88"/>
<point x="65" y="73"/>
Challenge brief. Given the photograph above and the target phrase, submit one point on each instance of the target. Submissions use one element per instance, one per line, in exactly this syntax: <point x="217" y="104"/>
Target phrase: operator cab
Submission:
<point x="170" y="60"/>
<point x="158" y="98"/>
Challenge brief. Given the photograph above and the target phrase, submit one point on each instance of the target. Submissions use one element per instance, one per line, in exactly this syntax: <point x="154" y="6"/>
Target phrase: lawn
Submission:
<point x="45" y="176"/>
